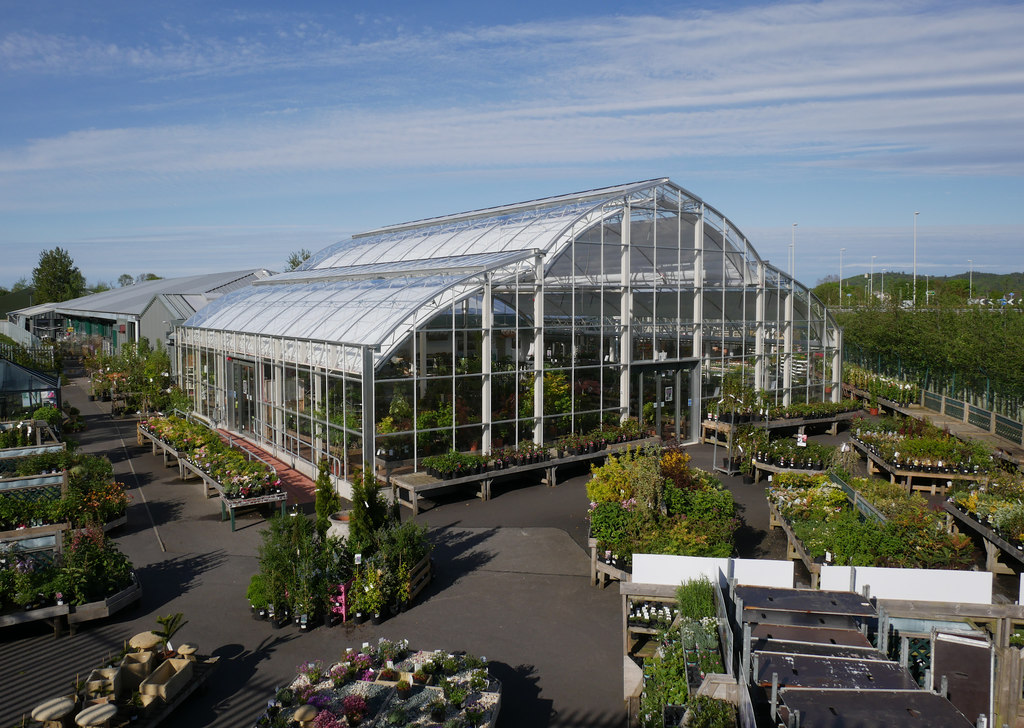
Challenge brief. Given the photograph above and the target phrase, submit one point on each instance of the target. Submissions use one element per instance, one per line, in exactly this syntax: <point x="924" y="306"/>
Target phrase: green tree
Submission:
<point x="57" y="278"/>
<point x="125" y="279"/>
<point x="327" y="500"/>
<point x="297" y="258"/>
<point x="369" y="513"/>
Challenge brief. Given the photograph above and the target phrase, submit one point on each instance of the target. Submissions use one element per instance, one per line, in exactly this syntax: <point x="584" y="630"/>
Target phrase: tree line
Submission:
<point x="970" y="346"/>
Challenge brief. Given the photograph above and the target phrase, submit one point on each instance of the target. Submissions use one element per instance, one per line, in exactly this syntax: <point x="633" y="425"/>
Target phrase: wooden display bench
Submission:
<point x="713" y="430"/>
<point x="794" y="546"/>
<point x="188" y="469"/>
<point x="21" y="483"/>
<point x="410" y="487"/>
<point x="634" y="636"/>
<point x="906" y="477"/>
<point x="599" y="570"/>
<point x="44" y="435"/>
<point x="209" y="486"/>
<point x="997" y="549"/>
<point x="883" y="404"/>
<point x="58" y="615"/>
<point x="157" y="445"/>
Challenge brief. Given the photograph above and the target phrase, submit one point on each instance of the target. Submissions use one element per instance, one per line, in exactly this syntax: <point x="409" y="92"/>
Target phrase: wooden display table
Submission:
<point x="794" y="546"/>
<point x="906" y="477"/>
<point x="410" y="487"/>
<point x="712" y="430"/>
<point x="996" y="546"/>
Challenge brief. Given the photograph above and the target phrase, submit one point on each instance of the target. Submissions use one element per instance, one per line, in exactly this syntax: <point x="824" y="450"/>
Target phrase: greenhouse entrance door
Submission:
<point x="660" y="397"/>
<point x="241" y="396"/>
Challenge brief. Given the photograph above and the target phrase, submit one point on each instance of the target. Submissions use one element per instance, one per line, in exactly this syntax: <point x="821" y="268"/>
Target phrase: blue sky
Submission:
<point x="183" y="137"/>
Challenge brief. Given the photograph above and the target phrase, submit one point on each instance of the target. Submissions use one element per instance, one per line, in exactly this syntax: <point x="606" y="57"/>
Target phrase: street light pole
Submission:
<point x="970" y="285"/>
<point x="841" y="277"/>
<point x="871" y="288"/>
<point x="915" y="258"/>
<point x="792" y="254"/>
<point x="883" y="285"/>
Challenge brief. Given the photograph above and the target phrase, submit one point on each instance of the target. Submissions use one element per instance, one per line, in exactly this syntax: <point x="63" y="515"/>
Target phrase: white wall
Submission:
<point x="930" y="585"/>
<point x="674" y="570"/>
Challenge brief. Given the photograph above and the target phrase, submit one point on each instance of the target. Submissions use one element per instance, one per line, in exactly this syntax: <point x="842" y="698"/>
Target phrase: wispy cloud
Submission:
<point x="847" y="84"/>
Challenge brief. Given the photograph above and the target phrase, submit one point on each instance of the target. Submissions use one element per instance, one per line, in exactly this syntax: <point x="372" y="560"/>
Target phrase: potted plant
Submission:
<point x="169" y="626"/>
<point x="258" y="595"/>
<point x="403" y="688"/>
<point x="437" y="708"/>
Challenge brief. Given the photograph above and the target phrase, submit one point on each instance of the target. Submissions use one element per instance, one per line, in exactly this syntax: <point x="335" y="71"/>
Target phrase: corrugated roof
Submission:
<point x="133" y="300"/>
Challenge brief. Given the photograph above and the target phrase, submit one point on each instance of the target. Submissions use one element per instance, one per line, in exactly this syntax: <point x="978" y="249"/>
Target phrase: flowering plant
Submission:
<point x="354" y="706"/>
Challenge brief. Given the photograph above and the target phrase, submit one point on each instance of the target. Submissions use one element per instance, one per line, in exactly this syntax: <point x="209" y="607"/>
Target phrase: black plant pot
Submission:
<point x="377" y="618"/>
<point x="748" y="479"/>
<point x="358" y="617"/>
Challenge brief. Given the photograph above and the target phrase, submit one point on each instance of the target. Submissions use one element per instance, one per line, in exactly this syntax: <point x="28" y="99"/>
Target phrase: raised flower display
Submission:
<point x="89" y="569"/>
<point x="92" y="495"/>
<point x="238" y="476"/>
<point x="909" y="534"/>
<point x="687" y="651"/>
<point x="646" y="501"/>
<point x="378" y="685"/>
<point x="998" y="504"/>
<point x="889" y="388"/>
<point x="910" y="444"/>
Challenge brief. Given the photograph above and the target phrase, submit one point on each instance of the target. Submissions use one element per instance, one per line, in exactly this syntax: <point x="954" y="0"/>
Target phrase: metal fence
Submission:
<point x="999" y="414"/>
<point x="978" y="391"/>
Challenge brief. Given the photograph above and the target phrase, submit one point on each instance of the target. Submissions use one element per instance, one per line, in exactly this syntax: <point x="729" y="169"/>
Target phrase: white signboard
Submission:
<point x="673" y="570"/>
<point x="928" y="585"/>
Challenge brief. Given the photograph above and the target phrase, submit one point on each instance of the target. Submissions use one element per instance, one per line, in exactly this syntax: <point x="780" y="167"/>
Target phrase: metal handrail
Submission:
<point x="858" y="499"/>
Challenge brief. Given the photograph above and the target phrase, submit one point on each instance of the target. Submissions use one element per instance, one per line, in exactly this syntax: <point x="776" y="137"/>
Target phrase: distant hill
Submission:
<point x="899" y="283"/>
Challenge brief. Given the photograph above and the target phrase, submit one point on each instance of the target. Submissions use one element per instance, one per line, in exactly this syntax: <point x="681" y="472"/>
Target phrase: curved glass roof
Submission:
<point x="368" y="290"/>
<point x="361" y="305"/>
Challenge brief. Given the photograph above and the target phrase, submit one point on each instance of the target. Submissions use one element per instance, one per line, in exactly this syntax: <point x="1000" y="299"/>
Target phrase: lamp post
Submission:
<point x="915" y="258"/>
<point x="792" y="254"/>
<point x="883" y="285"/>
<point x="871" y="288"/>
<point x="970" y="285"/>
<point x="841" y="250"/>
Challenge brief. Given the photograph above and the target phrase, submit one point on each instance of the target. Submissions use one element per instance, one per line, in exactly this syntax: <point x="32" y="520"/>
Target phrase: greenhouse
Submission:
<point x="525" y="322"/>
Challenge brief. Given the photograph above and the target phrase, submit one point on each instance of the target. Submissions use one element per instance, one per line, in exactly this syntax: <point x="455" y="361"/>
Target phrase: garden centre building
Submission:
<point x="523" y="322"/>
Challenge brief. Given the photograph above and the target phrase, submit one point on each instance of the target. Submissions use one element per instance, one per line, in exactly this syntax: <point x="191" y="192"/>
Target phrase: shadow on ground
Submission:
<point x="456" y="554"/>
<point x="166" y="580"/>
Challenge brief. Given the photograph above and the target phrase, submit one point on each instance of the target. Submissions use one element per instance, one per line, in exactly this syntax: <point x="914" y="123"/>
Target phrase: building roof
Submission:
<point x="190" y="293"/>
<point x="370" y="289"/>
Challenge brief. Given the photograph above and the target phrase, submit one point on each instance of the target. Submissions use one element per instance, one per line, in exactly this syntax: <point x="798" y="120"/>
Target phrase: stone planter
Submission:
<point x="136" y="667"/>
<point x="106" y="681"/>
<point x="168" y="679"/>
<point x="339" y="524"/>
